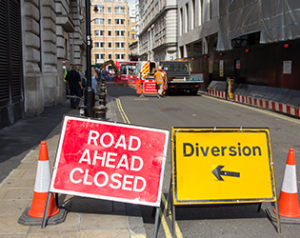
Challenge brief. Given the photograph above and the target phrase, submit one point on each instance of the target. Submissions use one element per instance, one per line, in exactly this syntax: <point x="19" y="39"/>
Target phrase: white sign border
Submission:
<point x="135" y="201"/>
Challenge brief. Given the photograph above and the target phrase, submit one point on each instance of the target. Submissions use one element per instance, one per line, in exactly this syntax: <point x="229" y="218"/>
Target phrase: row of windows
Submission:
<point x="109" y="21"/>
<point x="102" y="44"/>
<point x="109" y="10"/>
<point x="101" y="33"/>
<point x="117" y="33"/>
<point x="117" y="56"/>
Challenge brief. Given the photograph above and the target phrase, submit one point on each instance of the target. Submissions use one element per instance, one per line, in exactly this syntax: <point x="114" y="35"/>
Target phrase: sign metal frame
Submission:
<point x="111" y="198"/>
<point x="173" y="195"/>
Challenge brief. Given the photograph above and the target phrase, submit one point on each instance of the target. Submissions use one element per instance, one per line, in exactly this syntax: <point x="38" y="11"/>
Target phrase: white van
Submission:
<point x="145" y="69"/>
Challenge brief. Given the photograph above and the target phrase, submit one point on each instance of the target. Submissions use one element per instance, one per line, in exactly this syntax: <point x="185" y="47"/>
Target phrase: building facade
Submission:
<point x="39" y="40"/>
<point x="133" y="30"/>
<point x="110" y="29"/>
<point x="158" y="30"/>
<point x="259" y="48"/>
<point x="132" y="22"/>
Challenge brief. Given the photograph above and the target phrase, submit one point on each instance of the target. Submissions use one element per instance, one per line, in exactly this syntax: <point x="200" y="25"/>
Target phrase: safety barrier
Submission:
<point x="285" y="101"/>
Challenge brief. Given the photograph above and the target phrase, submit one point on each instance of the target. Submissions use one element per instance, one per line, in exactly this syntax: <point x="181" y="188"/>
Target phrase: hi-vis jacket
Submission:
<point x="159" y="77"/>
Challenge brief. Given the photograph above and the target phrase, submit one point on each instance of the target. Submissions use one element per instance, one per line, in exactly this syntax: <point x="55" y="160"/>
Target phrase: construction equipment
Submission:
<point x="110" y="62"/>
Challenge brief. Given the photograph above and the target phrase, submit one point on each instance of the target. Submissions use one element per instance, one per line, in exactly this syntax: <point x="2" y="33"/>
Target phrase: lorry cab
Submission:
<point x="179" y="77"/>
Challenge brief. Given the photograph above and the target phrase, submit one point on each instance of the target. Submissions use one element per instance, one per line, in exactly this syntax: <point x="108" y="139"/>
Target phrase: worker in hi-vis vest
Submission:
<point x="159" y="80"/>
<point x="66" y="72"/>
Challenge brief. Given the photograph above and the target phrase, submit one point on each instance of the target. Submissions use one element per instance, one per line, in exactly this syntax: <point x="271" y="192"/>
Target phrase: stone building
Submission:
<point x="109" y="28"/>
<point x="133" y="30"/>
<point x="39" y="39"/>
<point x="158" y="30"/>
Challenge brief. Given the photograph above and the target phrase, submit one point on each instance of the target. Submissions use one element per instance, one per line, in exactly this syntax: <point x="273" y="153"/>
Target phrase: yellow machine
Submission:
<point x="110" y="62"/>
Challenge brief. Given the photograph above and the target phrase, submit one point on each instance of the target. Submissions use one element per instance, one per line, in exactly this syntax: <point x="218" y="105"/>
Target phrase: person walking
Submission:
<point x="165" y="81"/>
<point x="83" y="82"/>
<point x="74" y="85"/>
<point x="159" y="80"/>
<point x="94" y="80"/>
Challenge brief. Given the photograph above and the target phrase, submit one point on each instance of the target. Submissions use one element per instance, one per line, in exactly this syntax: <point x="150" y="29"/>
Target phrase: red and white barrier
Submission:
<point x="257" y="102"/>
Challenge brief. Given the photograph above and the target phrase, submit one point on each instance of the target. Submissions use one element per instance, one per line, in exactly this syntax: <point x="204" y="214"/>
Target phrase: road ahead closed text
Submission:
<point x="108" y="160"/>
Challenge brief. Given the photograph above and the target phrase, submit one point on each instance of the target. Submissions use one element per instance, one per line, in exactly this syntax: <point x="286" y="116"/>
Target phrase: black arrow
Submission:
<point x="217" y="172"/>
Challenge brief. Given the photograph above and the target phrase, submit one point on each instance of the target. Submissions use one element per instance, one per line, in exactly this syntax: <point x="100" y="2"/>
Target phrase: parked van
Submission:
<point x="145" y="70"/>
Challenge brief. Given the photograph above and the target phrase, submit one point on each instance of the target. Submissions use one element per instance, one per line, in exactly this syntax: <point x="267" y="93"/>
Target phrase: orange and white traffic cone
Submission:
<point x="41" y="187"/>
<point x="35" y="214"/>
<point x="288" y="200"/>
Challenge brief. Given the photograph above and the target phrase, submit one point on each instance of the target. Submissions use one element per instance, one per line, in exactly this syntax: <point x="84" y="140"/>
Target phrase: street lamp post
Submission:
<point x="89" y="99"/>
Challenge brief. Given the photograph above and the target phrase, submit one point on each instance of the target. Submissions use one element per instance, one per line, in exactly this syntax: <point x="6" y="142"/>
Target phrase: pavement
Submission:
<point x="86" y="217"/>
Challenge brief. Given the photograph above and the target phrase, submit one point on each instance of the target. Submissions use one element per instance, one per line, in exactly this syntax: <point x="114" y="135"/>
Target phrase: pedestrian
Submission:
<point x="94" y="80"/>
<point x="83" y="82"/>
<point x="159" y="80"/>
<point x="74" y="85"/>
<point x="165" y="80"/>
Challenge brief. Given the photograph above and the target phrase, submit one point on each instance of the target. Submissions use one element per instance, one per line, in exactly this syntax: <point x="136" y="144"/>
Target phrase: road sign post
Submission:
<point x="228" y="165"/>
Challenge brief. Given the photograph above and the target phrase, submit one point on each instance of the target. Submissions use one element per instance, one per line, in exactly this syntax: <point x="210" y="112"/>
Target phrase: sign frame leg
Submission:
<point x="173" y="218"/>
<point x="278" y="218"/>
<point x="156" y="222"/>
<point x="168" y="208"/>
<point x="259" y="207"/>
<point x="46" y="210"/>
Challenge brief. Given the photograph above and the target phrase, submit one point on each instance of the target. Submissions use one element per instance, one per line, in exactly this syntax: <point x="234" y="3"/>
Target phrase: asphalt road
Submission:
<point x="204" y="111"/>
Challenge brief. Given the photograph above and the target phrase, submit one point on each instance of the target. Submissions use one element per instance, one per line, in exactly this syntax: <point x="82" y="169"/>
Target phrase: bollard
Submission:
<point x="100" y="112"/>
<point x="102" y="94"/>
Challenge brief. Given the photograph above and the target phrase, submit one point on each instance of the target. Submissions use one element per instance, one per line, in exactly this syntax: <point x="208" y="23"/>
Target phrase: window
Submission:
<point x="108" y="21"/>
<point x="109" y="44"/>
<point x="101" y="9"/>
<point x="96" y="20"/>
<point x="117" y="33"/>
<point x="109" y="9"/>
<point x="122" y="56"/>
<point x="133" y="28"/>
<point x="117" y="45"/>
<point x="119" y="9"/>
<point x="117" y="56"/>
<point x="133" y="36"/>
<point x="101" y="32"/>
<point x="109" y="33"/>
<point x="122" y="21"/>
<point x="122" y="44"/>
<point x="186" y="18"/>
<point x="122" y="33"/>
<point x="109" y="56"/>
<point x="96" y="44"/>
<point x="101" y="44"/>
<point x="101" y="20"/>
<point x="96" y="56"/>
<point x="102" y="56"/>
<point x="96" y="32"/>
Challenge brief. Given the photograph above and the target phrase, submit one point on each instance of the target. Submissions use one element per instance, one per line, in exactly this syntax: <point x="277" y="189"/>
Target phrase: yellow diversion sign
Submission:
<point x="222" y="165"/>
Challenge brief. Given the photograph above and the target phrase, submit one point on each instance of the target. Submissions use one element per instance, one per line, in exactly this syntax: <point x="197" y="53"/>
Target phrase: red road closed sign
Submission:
<point x="150" y="87"/>
<point x="110" y="161"/>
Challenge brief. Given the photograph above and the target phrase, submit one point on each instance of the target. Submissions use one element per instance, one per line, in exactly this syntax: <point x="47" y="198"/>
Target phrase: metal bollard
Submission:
<point x="100" y="112"/>
<point x="102" y="94"/>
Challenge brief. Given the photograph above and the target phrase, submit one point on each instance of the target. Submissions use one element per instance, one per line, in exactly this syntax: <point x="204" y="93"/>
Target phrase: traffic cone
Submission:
<point x="288" y="200"/>
<point x="41" y="187"/>
<point x="35" y="214"/>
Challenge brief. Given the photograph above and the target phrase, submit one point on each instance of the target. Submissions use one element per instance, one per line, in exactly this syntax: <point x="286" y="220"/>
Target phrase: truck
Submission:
<point x="179" y="77"/>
